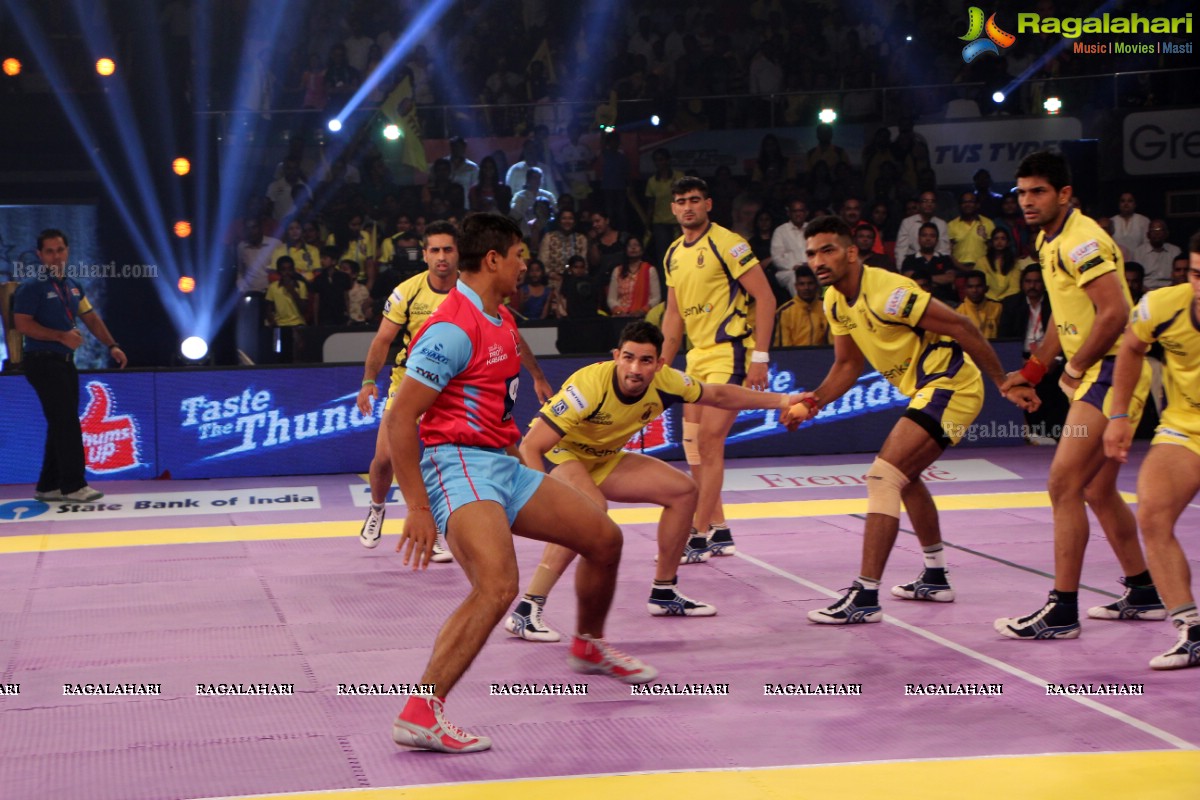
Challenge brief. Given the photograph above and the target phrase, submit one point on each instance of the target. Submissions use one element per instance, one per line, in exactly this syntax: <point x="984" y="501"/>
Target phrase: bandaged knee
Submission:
<point x="691" y="442"/>
<point x="884" y="484"/>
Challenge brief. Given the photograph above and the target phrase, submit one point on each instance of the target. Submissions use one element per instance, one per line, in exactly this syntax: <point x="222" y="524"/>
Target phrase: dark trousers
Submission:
<point x="57" y="385"/>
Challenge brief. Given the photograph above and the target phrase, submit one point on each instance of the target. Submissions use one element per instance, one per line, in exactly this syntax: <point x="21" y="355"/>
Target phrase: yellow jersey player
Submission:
<point x="929" y="353"/>
<point x="1170" y="474"/>
<point x="1085" y="281"/>
<point x="405" y="312"/>
<point x="714" y="283"/>
<point x="583" y="430"/>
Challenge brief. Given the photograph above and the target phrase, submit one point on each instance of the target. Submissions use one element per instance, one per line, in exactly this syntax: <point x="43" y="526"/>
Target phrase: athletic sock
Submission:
<point x="935" y="556"/>
<point x="377" y="506"/>
<point x="1140" y="581"/>
<point x="1185" y="615"/>
<point x="934" y="575"/>
<point x="665" y="584"/>
<point x="1067" y="598"/>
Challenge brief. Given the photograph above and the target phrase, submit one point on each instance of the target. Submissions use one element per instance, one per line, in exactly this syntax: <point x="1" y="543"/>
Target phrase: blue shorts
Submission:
<point x="456" y="475"/>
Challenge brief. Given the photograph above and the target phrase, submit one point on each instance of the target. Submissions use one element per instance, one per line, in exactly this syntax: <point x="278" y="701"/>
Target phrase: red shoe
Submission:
<point x="422" y="725"/>
<point x="597" y="657"/>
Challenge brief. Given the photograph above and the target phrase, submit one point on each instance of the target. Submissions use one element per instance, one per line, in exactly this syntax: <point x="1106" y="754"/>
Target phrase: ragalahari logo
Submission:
<point x="110" y="442"/>
<point x="996" y="40"/>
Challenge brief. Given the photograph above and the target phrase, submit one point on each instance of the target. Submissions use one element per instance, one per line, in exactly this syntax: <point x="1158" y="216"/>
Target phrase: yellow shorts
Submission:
<point x="1173" y="430"/>
<point x="725" y="362"/>
<point x="394" y="386"/>
<point x="1098" y="392"/>
<point x="597" y="468"/>
<point x="946" y="408"/>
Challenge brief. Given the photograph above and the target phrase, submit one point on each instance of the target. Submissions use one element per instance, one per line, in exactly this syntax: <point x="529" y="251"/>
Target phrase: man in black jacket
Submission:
<point x="1024" y="317"/>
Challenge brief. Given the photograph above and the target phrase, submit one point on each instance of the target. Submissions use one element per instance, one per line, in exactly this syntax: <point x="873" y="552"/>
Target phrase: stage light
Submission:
<point x="335" y="125"/>
<point x="1052" y="105"/>
<point x="106" y="67"/>
<point x="391" y="132"/>
<point x="908" y="38"/>
<point x="997" y="96"/>
<point x="12" y="67"/>
<point x="187" y="284"/>
<point x="181" y="166"/>
<point x="827" y="115"/>
<point x="183" y="229"/>
<point x="655" y="120"/>
<point x="193" y="348"/>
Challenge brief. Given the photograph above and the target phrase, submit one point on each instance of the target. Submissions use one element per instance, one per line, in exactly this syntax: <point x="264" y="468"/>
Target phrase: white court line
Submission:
<point x="1087" y="702"/>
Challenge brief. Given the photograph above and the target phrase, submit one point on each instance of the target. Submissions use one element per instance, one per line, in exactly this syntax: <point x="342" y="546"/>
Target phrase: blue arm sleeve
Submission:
<point x="443" y="352"/>
<point x="26" y="299"/>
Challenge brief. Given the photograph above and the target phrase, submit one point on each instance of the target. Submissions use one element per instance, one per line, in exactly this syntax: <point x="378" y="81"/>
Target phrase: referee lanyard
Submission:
<point x="66" y="305"/>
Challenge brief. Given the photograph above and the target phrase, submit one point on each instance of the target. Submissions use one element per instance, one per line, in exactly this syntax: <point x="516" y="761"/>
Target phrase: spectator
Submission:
<point x="634" y="287"/>
<point x="1156" y="254"/>
<point x="906" y="238"/>
<point x="978" y="307"/>
<point x="306" y="258"/>
<point x="441" y="196"/>
<point x="989" y="204"/>
<point x="606" y="247"/>
<point x="881" y="218"/>
<point x="523" y="202"/>
<point x="1002" y="267"/>
<point x="923" y="281"/>
<point x="760" y="245"/>
<point x="864" y="240"/>
<point x="826" y="151"/>
<point x="658" y="202"/>
<point x="489" y="193"/>
<point x="356" y="244"/>
<point x="576" y="160"/>
<point x="316" y="94"/>
<point x="330" y="287"/>
<point x="463" y="171"/>
<point x="1024" y="315"/>
<point x="534" y="299"/>
<point x="254" y="258"/>
<point x="1135" y="279"/>
<point x="643" y="39"/>
<point x="1179" y="269"/>
<point x="938" y="267"/>
<point x="341" y="79"/>
<point x="788" y="247"/>
<point x="359" y="306"/>
<point x="286" y="300"/>
<point x="560" y="245"/>
<point x="1129" y="227"/>
<point x="1019" y="233"/>
<point x="531" y="159"/>
<point x="969" y="234"/>
<point x="535" y="228"/>
<point x="614" y="180"/>
<point x="801" y="321"/>
<point x="851" y="211"/>
<point x="358" y="46"/>
<point x="280" y="192"/>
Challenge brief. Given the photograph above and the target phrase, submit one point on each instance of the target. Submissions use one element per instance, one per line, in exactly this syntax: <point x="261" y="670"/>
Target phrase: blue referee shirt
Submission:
<point x="54" y="304"/>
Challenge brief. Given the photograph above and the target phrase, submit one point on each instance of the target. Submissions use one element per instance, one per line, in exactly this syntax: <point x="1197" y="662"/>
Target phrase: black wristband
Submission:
<point x="114" y="345"/>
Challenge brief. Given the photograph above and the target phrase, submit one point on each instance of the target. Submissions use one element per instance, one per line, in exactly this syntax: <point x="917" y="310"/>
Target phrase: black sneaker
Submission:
<point x="666" y="601"/>
<point x="857" y="605"/>
<point x="1138" y="602"/>
<point x="720" y="540"/>
<point x="1054" y="620"/>
<point x="930" y="585"/>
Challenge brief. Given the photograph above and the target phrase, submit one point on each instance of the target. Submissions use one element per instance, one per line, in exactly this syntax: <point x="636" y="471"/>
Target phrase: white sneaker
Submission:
<point x="525" y="622"/>
<point x="1185" y="653"/>
<point x="52" y="496"/>
<point x="441" y="553"/>
<point x="86" y="494"/>
<point x="372" y="528"/>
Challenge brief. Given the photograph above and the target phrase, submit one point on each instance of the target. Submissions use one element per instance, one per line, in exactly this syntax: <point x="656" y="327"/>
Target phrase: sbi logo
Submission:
<point x="22" y="509"/>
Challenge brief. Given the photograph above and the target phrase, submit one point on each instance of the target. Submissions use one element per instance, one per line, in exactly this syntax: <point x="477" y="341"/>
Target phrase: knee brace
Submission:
<point x="884" y="483"/>
<point x="691" y="442"/>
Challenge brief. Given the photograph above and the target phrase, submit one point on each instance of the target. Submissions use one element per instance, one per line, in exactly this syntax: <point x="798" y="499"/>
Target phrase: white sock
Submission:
<point x="377" y="506"/>
<point x="1186" y="615"/>
<point x="869" y="584"/>
<point x="935" y="556"/>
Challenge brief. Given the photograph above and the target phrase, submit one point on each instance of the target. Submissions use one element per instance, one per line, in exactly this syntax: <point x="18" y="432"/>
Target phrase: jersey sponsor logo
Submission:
<point x="387" y="307"/>
<point x="601" y="418"/>
<point x="897" y="371"/>
<point x="575" y="397"/>
<point x="687" y="379"/>
<point x="496" y="354"/>
<point x="892" y="306"/>
<point x="740" y="249"/>
<point x="697" y="309"/>
<point x="1084" y="250"/>
<point x="559" y="408"/>
<point x="427" y="374"/>
<point x="1068" y="328"/>
<point x="1095" y="262"/>
<point x="1141" y="312"/>
<point x="434" y="354"/>
<point x="908" y="307"/>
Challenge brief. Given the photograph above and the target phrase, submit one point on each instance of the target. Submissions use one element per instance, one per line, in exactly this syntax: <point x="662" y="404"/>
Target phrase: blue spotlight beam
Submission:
<point x="417" y="29"/>
<point x="1050" y="54"/>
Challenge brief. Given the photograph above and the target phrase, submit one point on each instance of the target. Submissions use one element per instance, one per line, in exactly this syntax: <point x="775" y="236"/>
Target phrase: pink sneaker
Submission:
<point x="597" y="657"/>
<point x="422" y="724"/>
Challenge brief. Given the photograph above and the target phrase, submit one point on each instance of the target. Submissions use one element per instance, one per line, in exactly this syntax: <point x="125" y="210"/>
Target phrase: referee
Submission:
<point x="45" y="310"/>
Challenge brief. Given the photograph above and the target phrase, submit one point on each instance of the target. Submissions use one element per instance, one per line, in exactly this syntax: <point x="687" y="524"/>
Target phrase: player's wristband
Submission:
<point x="114" y="346"/>
<point x="1072" y="375"/>
<point x="814" y="405"/>
<point x="1119" y="416"/>
<point x="1033" y="371"/>
<point x="368" y="383"/>
<point x="760" y="357"/>
<point x="420" y="508"/>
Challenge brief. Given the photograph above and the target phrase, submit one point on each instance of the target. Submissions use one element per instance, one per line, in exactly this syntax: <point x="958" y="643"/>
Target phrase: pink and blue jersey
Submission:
<point x="473" y="361"/>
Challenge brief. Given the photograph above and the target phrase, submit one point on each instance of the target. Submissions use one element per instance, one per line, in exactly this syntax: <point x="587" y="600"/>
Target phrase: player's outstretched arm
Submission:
<point x="1118" y="434"/>
<point x="413" y="399"/>
<point x="848" y="363"/>
<point x="738" y="398"/>
<point x="376" y="356"/>
<point x="540" y="440"/>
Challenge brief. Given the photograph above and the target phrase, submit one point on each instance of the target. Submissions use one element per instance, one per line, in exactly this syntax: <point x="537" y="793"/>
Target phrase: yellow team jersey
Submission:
<point x="596" y="420"/>
<point x="801" y="324"/>
<point x="409" y="305"/>
<point x="1080" y="253"/>
<point x="704" y="274"/>
<point x="361" y="250"/>
<point x="306" y="257"/>
<point x="969" y="240"/>
<point x="287" y="311"/>
<point x="1168" y="316"/>
<point x="885" y="324"/>
<point x="985" y="315"/>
